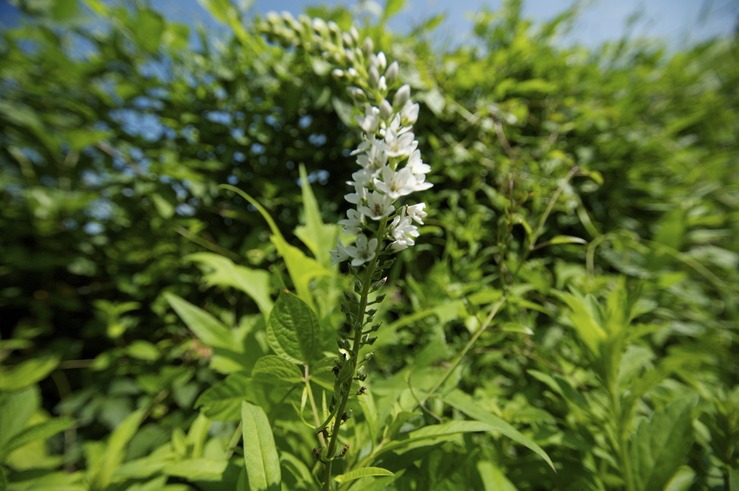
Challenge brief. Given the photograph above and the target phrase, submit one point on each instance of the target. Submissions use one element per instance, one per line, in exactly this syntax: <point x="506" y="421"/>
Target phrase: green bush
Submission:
<point x="567" y="319"/>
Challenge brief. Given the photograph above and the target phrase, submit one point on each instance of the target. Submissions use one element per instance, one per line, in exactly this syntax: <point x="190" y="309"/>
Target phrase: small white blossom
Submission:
<point x="396" y="184"/>
<point x="416" y="212"/>
<point x="371" y="119"/>
<point x="403" y="231"/>
<point x="358" y="196"/>
<point x="378" y="206"/>
<point x="362" y="251"/>
<point x="339" y="254"/>
<point x="353" y="222"/>
<point x="416" y="164"/>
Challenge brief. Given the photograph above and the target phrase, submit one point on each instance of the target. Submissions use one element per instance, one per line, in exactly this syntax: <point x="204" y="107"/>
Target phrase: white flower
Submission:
<point x="359" y="195"/>
<point x="396" y="184"/>
<point x="409" y="115"/>
<point x="353" y="223"/>
<point x="416" y="212"/>
<point x="378" y="206"/>
<point x="362" y="251"/>
<point x="416" y="164"/>
<point x="399" y="143"/>
<point x="403" y="231"/>
<point x="374" y="156"/>
<point x="339" y="254"/>
<point x="371" y="120"/>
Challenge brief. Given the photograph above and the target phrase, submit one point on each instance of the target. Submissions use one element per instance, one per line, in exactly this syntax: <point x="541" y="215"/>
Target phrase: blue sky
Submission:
<point x="679" y="22"/>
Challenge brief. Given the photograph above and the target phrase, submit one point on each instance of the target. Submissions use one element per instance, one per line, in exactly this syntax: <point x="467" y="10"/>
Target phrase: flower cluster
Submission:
<point x="390" y="168"/>
<point x="389" y="160"/>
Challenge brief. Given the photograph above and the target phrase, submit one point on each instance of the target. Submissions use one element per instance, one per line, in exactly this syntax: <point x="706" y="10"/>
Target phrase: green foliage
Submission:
<point x="169" y="306"/>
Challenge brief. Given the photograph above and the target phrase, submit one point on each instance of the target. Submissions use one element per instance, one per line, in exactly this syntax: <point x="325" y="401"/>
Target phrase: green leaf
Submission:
<point x="225" y="12"/>
<point x="15" y="411"/>
<point x="27" y="373"/>
<point x="585" y="319"/>
<point x="319" y="237"/>
<point x="206" y="327"/>
<point x="198" y="469"/>
<point x="661" y="443"/>
<point x="260" y="454"/>
<point x="270" y="367"/>
<point x="223" y="272"/>
<point x="40" y="431"/>
<point x="222" y="401"/>
<point x="392" y="7"/>
<point x="143" y="350"/>
<point x="436" y="433"/>
<point x="301" y="268"/>
<point x="292" y="331"/>
<point x="149" y="27"/>
<point x="101" y="474"/>
<point x="363" y="472"/>
<point x="63" y="10"/>
<point x="471" y="408"/>
<point x="566" y="239"/>
<point x="493" y="478"/>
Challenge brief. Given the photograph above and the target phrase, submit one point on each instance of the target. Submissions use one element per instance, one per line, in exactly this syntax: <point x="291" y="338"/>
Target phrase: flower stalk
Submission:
<point x="380" y="222"/>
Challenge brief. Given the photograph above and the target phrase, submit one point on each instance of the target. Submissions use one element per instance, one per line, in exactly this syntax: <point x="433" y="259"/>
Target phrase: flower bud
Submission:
<point x="337" y="73"/>
<point x="354" y="34"/>
<point x="409" y="116"/>
<point x="392" y="72"/>
<point x="382" y="85"/>
<point x="368" y="47"/>
<point x="402" y="96"/>
<point x="374" y="77"/>
<point x="347" y="39"/>
<point x="386" y="110"/>
<point x="356" y="94"/>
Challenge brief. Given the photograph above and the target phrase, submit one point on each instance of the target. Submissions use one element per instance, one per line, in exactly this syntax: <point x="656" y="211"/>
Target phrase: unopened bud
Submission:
<point x="409" y="116"/>
<point x="337" y="72"/>
<point x="356" y="94"/>
<point x="386" y="110"/>
<point x="347" y="39"/>
<point x="374" y="77"/>
<point x="368" y="47"/>
<point x="402" y="96"/>
<point x="392" y="72"/>
<point x="382" y="84"/>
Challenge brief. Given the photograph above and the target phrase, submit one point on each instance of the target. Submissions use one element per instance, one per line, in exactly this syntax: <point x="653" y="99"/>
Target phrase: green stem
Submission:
<point x="483" y="326"/>
<point x="356" y="345"/>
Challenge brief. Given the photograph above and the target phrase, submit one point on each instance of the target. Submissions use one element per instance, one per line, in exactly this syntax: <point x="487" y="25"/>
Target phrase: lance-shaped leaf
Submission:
<point x="260" y="453"/>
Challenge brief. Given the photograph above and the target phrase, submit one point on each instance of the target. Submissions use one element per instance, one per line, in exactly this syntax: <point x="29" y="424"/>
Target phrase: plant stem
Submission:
<point x="369" y="272"/>
<point x="483" y="326"/>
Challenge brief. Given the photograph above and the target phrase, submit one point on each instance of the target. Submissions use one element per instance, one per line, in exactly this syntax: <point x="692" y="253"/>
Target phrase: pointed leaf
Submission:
<point x="27" y="373"/>
<point x="471" y="408"/>
<point x="662" y="443"/>
<point x="40" y="431"/>
<point x="363" y="472"/>
<point x="260" y="453"/>
<point x="271" y="367"/>
<point x="319" y="237"/>
<point x="101" y="474"/>
<point x="222" y="401"/>
<point x="292" y="331"/>
<point x="206" y="327"/>
<point x="223" y="272"/>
